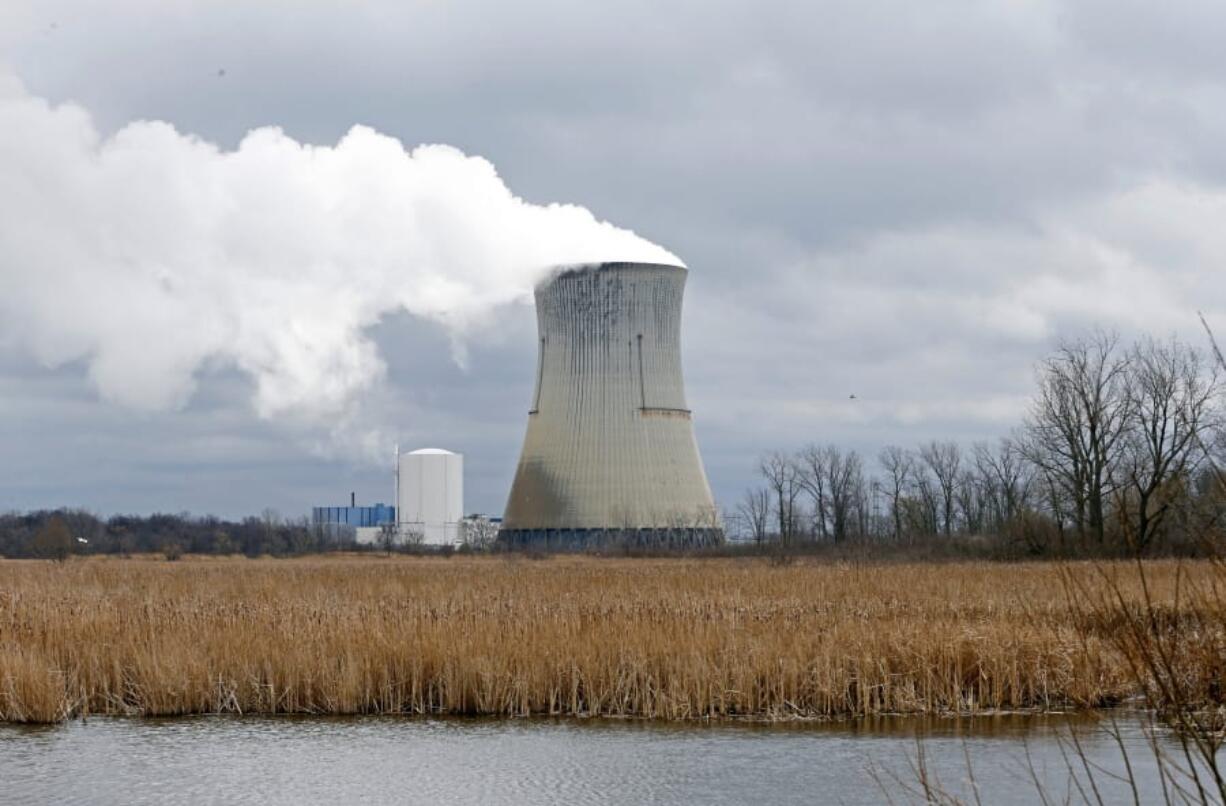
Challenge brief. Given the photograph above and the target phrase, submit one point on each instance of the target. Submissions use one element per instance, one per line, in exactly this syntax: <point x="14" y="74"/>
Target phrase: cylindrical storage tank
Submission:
<point x="430" y="496"/>
<point x="610" y="455"/>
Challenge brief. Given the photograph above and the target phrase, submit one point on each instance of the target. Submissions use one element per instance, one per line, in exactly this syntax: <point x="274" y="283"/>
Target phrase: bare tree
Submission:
<point x="1173" y="395"/>
<point x="781" y="478"/>
<point x="834" y="479"/>
<point x="53" y="541"/>
<point x="755" y="509"/>
<point x="300" y="538"/>
<point x="846" y="484"/>
<point x="971" y="497"/>
<point x="899" y="466"/>
<point x="862" y="519"/>
<point x="944" y="459"/>
<point x="478" y="532"/>
<point x="923" y="505"/>
<point x="811" y="475"/>
<point x="1076" y="428"/>
<point x="1005" y="478"/>
<point x="405" y="534"/>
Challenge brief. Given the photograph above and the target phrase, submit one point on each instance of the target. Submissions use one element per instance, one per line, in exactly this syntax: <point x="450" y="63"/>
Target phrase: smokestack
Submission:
<point x="610" y="455"/>
<point x="353" y="499"/>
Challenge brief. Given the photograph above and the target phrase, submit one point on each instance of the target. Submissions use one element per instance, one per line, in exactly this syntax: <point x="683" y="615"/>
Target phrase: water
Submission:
<point x="452" y="761"/>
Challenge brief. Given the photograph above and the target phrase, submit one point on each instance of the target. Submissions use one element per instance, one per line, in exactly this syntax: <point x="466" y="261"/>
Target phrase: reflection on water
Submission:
<point x="411" y="760"/>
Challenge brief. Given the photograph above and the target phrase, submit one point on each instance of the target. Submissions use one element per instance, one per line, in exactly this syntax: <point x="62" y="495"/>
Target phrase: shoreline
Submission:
<point x="883" y="722"/>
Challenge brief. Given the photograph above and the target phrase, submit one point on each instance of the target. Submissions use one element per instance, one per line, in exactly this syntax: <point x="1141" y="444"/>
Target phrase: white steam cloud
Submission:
<point x="151" y="253"/>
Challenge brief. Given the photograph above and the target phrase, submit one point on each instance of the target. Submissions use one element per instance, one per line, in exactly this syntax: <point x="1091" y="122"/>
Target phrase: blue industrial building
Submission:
<point x="374" y="515"/>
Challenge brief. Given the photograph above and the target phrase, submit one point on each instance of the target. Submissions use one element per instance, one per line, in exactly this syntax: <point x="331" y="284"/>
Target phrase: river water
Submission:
<point x="378" y="760"/>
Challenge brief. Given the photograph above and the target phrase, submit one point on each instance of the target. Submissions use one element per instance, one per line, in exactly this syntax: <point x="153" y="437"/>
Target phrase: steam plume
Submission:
<point x="152" y="253"/>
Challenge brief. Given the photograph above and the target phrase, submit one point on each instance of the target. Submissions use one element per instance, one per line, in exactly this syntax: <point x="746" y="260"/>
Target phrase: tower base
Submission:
<point x="584" y="539"/>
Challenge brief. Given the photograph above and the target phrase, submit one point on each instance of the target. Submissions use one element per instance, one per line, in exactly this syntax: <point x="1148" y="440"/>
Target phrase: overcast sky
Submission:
<point x="908" y="202"/>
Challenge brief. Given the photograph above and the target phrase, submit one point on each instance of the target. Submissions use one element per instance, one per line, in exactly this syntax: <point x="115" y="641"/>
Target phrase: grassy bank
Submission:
<point x="569" y="635"/>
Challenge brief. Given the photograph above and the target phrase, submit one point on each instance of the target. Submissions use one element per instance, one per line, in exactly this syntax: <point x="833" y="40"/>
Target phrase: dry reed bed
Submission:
<point x="649" y="638"/>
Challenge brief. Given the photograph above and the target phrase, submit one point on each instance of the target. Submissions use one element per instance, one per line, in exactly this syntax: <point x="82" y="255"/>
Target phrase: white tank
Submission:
<point x="430" y="496"/>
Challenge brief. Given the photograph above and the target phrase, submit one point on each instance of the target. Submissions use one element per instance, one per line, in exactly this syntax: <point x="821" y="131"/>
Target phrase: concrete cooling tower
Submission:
<point x="610" y="456"/>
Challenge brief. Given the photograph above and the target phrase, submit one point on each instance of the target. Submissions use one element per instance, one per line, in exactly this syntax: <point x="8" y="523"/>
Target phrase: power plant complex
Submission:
<point x="609" y="457"/>
<point x="429" y="507"/>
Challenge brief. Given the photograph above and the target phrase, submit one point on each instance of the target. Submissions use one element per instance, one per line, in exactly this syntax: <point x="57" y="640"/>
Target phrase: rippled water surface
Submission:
<point x="413" y="760"/>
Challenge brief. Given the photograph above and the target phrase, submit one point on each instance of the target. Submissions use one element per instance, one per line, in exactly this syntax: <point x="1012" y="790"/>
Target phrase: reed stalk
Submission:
<point x="651" y="638"/>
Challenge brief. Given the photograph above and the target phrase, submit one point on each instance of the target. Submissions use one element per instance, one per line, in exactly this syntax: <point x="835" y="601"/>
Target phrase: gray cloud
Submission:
<point x="903" y="201"/>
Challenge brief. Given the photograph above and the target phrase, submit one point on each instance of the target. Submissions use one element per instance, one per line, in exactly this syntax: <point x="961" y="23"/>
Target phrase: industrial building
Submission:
<point x="430" y="496"/>
<point x="610" y="455"/>
<point x="367" y="522"/>
<point x="429" y="506"/>
<point x="355" y="516"/>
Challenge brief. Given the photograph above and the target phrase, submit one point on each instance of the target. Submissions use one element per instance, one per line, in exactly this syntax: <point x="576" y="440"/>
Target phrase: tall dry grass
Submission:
<point x="651" y="638"/>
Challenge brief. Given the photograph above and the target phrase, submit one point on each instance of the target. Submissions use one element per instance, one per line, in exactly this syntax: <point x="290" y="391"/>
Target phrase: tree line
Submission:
<point x="55" y="534"/>
<point x="1116" y="454"/>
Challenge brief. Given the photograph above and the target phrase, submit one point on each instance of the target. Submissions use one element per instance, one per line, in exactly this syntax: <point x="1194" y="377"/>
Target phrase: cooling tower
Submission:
<point x="610" y="456"/>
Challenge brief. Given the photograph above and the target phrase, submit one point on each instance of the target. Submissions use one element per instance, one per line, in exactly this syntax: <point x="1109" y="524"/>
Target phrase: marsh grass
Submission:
<point x="654" y="638"/>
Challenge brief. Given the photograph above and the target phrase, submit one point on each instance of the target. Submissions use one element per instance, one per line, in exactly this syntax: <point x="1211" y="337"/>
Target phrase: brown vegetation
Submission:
<point x="53" y="541"/>
<point x="666" y="638"/>
<point x="1175" y="652"/>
